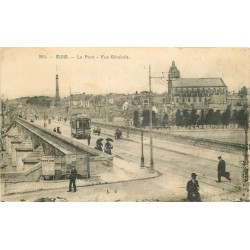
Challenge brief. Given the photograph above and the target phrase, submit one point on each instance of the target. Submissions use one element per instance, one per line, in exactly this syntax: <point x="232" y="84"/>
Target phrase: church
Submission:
<point x="199" y="93"/>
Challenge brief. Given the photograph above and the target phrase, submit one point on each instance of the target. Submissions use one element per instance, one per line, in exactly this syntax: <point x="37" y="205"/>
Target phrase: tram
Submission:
<point x="80" y="126"/>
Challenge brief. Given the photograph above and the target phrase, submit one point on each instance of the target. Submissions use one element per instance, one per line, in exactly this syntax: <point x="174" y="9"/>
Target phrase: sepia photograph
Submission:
<point x="124" y="124"/>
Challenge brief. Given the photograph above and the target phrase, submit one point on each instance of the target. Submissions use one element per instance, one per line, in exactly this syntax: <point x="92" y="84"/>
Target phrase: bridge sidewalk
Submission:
<point x="122" y="171"/>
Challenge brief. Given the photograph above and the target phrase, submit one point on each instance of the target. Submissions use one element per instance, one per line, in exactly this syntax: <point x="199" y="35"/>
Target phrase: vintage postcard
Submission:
<point x="124" y="124"/>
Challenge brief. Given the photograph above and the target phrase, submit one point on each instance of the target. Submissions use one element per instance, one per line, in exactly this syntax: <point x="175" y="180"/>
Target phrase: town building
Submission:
<point x="199" y="93"/>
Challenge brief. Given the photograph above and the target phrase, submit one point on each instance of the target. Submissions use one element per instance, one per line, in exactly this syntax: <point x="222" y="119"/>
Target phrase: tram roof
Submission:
<point x="80" y="116"/>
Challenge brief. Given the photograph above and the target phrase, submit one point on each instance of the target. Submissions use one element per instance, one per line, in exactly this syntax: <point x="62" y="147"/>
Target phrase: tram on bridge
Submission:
<point x="80" y="126"/>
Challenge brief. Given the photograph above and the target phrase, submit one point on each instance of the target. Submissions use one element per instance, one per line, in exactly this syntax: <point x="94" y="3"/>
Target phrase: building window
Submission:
<point x="188" y="99"/>
<point x="87" y="104"/>
<point x="199" y="99"/>
<point x="194" y="99"/>
<point x="145" y="102"/>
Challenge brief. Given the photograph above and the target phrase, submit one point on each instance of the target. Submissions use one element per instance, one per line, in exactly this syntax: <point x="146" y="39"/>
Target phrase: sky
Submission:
<point x="32" y="71"/>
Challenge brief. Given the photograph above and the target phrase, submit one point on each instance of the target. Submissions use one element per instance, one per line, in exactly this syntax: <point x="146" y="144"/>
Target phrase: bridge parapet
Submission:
<point x="89" y="160"/>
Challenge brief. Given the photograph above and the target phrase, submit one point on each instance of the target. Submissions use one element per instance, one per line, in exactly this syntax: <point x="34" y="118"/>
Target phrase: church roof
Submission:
<point x="198" y="82"/>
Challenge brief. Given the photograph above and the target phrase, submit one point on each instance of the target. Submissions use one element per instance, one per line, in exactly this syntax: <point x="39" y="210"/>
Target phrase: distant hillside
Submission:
<point x="39" y="101"/>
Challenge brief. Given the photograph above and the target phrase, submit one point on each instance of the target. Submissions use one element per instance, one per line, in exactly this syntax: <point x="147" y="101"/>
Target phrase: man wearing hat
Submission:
<point x="193" y="189"/>
<point x="72" y="178"/>
<point x="222" y="170"/>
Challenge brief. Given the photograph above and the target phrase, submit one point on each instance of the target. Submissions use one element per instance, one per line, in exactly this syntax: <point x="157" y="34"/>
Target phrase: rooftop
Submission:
<point x="198" y="82"/>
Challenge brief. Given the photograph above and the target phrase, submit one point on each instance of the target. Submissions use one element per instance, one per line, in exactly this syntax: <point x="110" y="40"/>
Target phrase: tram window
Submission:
<point x="82" y="124"/>
<point x="73" y="124"/>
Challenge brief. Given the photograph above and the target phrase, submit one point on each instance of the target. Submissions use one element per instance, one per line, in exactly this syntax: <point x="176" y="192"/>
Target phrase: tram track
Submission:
<point x="161" y="165"/>
<point x="157" y="147"/>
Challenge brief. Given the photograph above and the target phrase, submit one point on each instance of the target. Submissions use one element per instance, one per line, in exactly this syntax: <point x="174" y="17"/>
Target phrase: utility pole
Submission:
<point x="151" y="169"/>
<point x="106" y="109"/>
<point x="127" y="123"/>
<point x="45" y="125"/>
<point x="70" y="96"/>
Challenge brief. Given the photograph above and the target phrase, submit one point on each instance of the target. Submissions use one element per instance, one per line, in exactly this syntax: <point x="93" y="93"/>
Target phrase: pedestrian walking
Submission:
<point x="58" y="130"/>
<point x="193" y="194"/>
<point x="108" y="147"/>
<point x="72" y="178"/>
<point x="99" y="146"/>
<point x="118" y="133"/>
<point x="88" y="138"/>
<point x="221" y="169"/>
<point x="98" y="130"/>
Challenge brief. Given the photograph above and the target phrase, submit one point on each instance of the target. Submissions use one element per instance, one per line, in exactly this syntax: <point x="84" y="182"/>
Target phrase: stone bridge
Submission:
<point x="27" y="145"/>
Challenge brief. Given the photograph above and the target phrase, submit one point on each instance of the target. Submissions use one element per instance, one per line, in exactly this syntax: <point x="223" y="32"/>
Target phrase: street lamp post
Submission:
<point x="245" y="181"/>
<point x="142" y="156"/>
<point x="151" y="169"/>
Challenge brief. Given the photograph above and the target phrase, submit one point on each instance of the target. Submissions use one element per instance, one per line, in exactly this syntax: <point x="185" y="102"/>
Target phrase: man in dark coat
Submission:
<point x="222" y="170"/>
<point x="88" y="138"/>
<point x="72" y="178"/>
<point x="193" y="189"/>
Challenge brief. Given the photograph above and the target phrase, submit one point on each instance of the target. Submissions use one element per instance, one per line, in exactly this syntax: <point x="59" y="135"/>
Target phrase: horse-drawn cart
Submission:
<point x="97" y="130"/>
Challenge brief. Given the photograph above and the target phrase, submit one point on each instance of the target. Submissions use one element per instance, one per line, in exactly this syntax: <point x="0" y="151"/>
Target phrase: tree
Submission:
<point x="226" y="116"/>
<point x="234" y="118"/>
<point x="202" y="119"/>
<point x="136" y="118"/>
<point x="42" y="101"/>
<point x="243" y="91"/>
<point x="193" y="117"/>
<point x="243" y="118"/>
<point x="154" y="120"/>
<point x="178" y="118"/>
<point x="165" y="120"/>
<point x="209" y="117"/>
<point x="217" y="118"/>
<point x="186" y="118"/>
<point x="146" y="116"/>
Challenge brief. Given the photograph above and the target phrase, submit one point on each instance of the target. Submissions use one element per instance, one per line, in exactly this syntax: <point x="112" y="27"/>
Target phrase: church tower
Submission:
<point x="57" y="98"/>
<point x="173" y="73"/>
